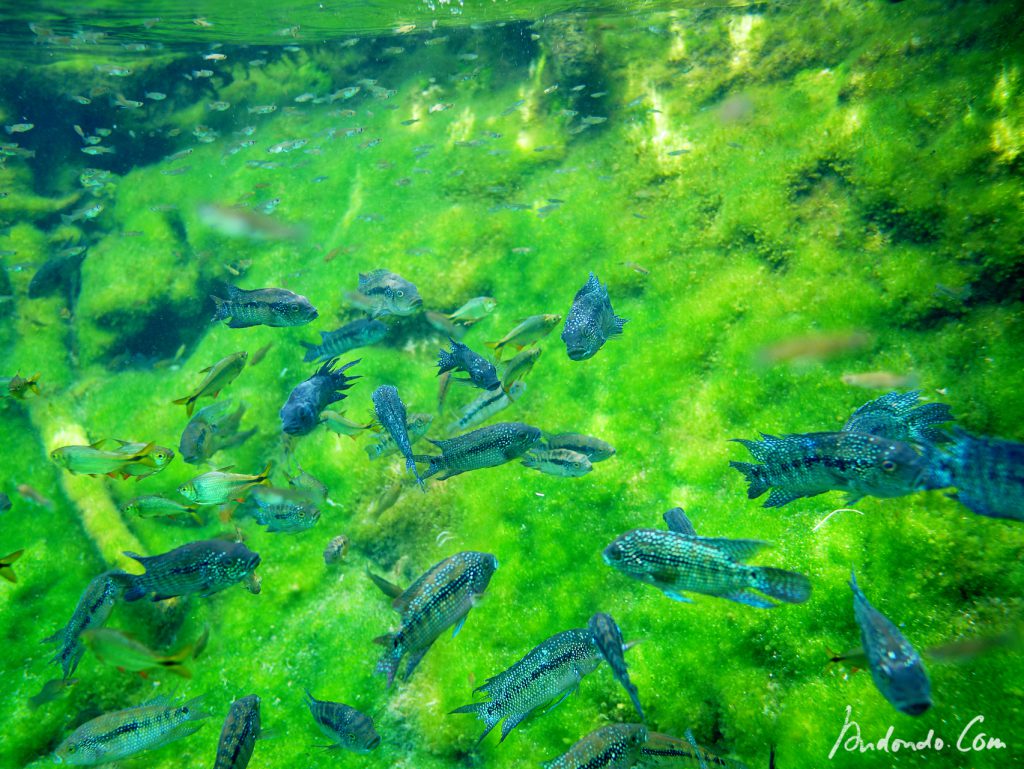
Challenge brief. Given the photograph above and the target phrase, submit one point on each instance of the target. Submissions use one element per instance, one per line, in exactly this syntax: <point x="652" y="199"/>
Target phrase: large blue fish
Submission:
<point x="591" y="321"/>
<point x="896" y="667"/>
<point x="203" y="567"/>
<point x="301" y="412"/>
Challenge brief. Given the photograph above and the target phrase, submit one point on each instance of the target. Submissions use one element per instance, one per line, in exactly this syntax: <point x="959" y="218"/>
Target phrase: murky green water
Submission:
<point x="797" y="208"/>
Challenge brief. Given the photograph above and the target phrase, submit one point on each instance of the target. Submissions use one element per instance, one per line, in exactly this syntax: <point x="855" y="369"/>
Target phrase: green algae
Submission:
<point x="867" y="167"/>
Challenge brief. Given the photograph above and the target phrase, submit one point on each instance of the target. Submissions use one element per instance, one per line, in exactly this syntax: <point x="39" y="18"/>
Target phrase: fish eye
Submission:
<point x="576" y="465"/>
<point x="72" y="749"/>
<point x="184" y="710"/>
<point x="888" y="465"/>
<point x="400" y="293"/>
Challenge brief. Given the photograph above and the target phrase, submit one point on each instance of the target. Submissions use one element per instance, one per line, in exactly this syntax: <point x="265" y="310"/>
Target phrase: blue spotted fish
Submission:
<point x="437" y="600"/>
<point x="549" y="673"/>
<point x="988" y="474"/>
<point x="678" y="561"/>
<point x="301" y="412"/>
<point x="795" y="466"/>
<point x="608" y="639"/>
<point x="895" y="665"/>
<point x="390" y="413"/>
<point x="591" y="321"/>
<point x="617" y="746"/>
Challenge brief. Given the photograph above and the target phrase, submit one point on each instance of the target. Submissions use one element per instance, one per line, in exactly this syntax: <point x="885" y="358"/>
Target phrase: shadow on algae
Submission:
<point x="738" y="177"/>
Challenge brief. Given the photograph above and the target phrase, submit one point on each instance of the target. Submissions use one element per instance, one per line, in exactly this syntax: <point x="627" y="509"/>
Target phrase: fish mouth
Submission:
<point x="580" y="353"/>
<point x="916" y="708"/>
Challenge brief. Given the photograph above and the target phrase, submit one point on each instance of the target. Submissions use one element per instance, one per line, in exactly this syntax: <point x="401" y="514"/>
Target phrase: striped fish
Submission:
<point x="550" y="672"/>
<point x="239" y="734"/>
<point x="124" y="733"/>
<point x="616" y="746"/>
<point x="489" y="403"/>
<point x="349" y="728"/>
<point x="358" y="333"/>
<point x="93" y="609"/>
<point x="487" y="447"/>
<point x="678" y="561"/>
<point x="665" y="750"/>
<point x="988" y="474"/>
<point x="439" y="599"/>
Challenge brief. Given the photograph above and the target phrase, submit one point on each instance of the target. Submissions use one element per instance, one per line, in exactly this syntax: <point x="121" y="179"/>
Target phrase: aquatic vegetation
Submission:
<point x="736" y="176"/>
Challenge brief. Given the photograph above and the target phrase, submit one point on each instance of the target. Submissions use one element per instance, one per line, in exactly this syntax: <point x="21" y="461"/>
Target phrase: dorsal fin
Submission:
<point x="677" y="521"/>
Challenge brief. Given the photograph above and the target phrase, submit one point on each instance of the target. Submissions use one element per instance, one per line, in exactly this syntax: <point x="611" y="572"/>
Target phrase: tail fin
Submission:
<point x="619" y="323"/>
<point x="312" y="351"/>
<point x="784" y="585"/>
<point x="445" y="361"/>
<point x="754" y="475"/>
<point x="221" y="311"/>
<point x="388" y="664"/>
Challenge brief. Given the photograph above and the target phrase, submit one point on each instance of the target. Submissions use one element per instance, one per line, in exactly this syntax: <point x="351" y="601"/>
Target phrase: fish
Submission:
<point x="481" y="372"/>
<point x="19" y="128"/>
<point x="18" y="387"/>
<point x="156" y="506"/>
<point x="50" y="691"/>
<point x="98" y="150"/>
<point x="819" y="347"/>
<point x="239" y="734"/>
<point x="895" y="665"/>
<point x="592" y="448"/>
<point x="550" y="672"/>
<point x="485" y="447"/>
<point x="84" y="213"/>
<point x="60" y="272"/>
<point x="122" y="651"/>
<point x="517" y="368"/>
<point x="92" y="611"/>
<point x="527" y="332"/>
<point x="385" y="500"/>
<point x="591" y="321"/>
<point x="92" y="460"/>
<point x="123" y="733"/>
<point x="608" y="639"/>
<point x="390" y="414"/>
<point x="276" y="307"/>
<point x="204" y="567"/>
<point x="381" y="292"/>
<point x="307" y="484"/>
<point x="218" y="376"/>
<point x="898" y="417"/>
<point x="416" y="426"/>
<point x="301" y="412"/>
<point x="562" y="462"/>
<point x="486" y="405"/>
<point x="358" y="333"/>
<point x="883" y="380"/>
<point x="809" y="464"/>
<point x="346" y="726"/>
<point x="218" y="486"/>
<point x="260" y="354"/>
<point x="338" y="423"/>
<point x="153" y="458"/>
<point x="664" y="750"/>
<point x="7" y="564"/>
<point x="988" y="474"/>
<point x="212" y="429"/>
<point x="677" y="561"/>
<point x="449" y="328"/>
<point x="616" y="746"/>
<point x="245" y="223"/>
<point x="280" y="510"/>
<point x="475" y="310"/>
<point x="336" y="550"/>
<point x="442" y="597"/>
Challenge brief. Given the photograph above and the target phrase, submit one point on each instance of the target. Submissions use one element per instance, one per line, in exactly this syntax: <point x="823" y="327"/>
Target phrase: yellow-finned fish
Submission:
<point x="218" y="486"/>
<point x="218" y="376"/>
<point x="112" y="647"/>
<point x="92" y="460"/>
<point x="528" y="332"/>
<point x="6" y="563"/>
